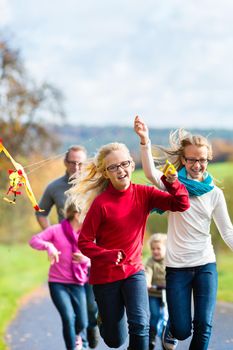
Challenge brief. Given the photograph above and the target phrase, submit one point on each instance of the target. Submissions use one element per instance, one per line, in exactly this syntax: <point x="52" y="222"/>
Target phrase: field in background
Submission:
<point x="220" y="172"/>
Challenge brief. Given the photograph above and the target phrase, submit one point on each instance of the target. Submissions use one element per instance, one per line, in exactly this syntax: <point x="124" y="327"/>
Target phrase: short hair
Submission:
<point x="157" y="237"/>
<point x="75" y="148"/>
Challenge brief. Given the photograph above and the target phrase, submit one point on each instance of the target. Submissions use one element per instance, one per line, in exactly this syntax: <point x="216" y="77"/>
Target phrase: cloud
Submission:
<point x="5" y="12"/>
<point x="170" y="61"/>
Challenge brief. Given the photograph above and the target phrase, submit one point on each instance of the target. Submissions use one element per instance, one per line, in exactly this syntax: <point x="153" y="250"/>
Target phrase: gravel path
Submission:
<point x="37" y="326"/>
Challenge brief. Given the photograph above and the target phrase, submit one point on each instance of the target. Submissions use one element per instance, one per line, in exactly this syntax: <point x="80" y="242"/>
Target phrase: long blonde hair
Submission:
<point x="178" y="140"/>
<point x="92" y="181"/>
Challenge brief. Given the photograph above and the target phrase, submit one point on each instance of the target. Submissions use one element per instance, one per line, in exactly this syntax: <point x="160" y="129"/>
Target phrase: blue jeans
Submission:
<point x="116" y="300"/>
<point x="182" y="283"/>
<point x="70" y="301"/>
<point x="158" y="315"/>
<point x="92" y="308"/>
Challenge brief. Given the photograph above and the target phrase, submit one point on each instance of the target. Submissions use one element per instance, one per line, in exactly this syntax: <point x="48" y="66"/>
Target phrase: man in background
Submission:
<point x="54" y="195"/>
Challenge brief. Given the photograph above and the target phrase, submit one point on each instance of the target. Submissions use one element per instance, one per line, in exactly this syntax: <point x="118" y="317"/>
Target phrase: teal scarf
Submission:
<point x="195" y="188"/>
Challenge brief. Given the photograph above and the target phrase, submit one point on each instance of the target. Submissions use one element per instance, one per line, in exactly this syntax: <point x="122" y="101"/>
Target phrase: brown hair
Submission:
<point x="75" y="148"/>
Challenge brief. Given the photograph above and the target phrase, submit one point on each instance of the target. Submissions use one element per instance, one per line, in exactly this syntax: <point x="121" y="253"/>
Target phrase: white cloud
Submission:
<point x="170" y="61"/>
<point x="5" y="12"/>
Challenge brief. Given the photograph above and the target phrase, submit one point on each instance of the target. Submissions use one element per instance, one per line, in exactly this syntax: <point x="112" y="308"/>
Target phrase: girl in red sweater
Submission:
<point x="112" y="234"/>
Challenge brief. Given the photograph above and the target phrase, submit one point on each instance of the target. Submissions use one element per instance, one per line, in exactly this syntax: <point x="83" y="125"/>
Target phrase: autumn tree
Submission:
<point x="25" y="111"/>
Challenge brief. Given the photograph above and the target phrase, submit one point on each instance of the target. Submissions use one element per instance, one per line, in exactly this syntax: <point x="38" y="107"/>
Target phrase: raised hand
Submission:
<point x="141" y="130"/>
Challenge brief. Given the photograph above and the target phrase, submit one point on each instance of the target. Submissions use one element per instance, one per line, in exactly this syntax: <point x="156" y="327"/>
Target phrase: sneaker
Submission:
<point x="151" y="345"/>
<point x="78" y="343"/>
<point x="168" y="341"/>
<point x="93" y="337"/>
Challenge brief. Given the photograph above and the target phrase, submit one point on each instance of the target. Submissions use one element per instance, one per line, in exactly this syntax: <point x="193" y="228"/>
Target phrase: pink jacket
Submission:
<point x="63" y="271"/>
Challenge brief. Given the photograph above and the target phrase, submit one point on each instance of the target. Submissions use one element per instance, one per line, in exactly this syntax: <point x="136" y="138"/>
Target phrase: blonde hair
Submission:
<point x="92" y="181"/>
<point x="158" y="238"/>
<point x="70" y="209"/>
<point x="178" y="140"/>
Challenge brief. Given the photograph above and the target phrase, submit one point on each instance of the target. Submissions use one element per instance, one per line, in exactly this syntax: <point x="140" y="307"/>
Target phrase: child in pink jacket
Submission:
<point x="68" y="274"/>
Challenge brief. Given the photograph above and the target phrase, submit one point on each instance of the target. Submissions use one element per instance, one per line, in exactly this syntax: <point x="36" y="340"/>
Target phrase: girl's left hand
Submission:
<point x="119" y="258"/>
<point x="79" y="257"/>
<point x="171" y="177"/>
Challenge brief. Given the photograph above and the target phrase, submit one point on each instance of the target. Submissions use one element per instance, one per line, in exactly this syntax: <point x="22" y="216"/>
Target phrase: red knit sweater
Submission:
<point x="116" y="222"/>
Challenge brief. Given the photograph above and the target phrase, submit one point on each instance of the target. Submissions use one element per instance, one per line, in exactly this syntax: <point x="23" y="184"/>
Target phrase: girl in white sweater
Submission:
<point x="190" y="258"/>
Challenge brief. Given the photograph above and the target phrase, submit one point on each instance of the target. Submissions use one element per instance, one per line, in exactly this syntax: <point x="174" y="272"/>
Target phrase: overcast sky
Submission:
<point x="170" y="61"/>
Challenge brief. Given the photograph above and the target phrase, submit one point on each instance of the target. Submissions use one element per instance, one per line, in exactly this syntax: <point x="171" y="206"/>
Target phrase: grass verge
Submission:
<point x="21" y="270"/>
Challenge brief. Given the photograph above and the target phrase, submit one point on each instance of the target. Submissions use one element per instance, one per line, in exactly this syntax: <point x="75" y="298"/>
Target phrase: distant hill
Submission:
<point x="92" y="137"/>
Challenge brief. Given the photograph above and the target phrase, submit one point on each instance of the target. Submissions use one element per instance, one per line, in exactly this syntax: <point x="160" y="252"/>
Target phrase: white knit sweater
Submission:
<point x="189" y="239"/>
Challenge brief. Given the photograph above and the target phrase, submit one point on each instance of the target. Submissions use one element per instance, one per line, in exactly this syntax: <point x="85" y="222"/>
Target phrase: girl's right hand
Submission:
<point x="172" y="177"/>
<point x="53" y="253"/>
<point x="119" y="258"/>
<point x="141" y="130"/>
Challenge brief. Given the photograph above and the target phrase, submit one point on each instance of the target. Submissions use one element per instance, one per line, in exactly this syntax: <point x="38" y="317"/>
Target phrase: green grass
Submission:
<point x="225" y="263"/>
<point x="221" y="170"/>
<point x="21" y="270"/>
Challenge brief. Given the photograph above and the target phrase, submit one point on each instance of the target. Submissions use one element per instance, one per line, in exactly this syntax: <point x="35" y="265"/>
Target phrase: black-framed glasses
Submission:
<point x="73" y="162"/>
<point x="193" y="161"/>
<point x="114" y="167"/>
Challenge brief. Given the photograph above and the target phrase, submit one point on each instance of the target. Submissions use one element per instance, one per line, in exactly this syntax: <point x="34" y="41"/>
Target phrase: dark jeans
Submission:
<point x="116" y="300"/>
<point x="70" y="301"/>
<point x="182" y="283"/>
<point x="158" y="315"/>
<point x="92" y="308"/>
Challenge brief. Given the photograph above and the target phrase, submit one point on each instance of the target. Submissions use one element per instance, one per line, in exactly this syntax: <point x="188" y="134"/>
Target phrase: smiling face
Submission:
<point x="158" y="250"/>
<point x="120" y="177"/>
<point x="194" y="168"/>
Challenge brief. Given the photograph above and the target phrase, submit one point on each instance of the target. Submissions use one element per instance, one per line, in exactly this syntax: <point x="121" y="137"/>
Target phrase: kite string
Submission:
<point x="42" y="163"/>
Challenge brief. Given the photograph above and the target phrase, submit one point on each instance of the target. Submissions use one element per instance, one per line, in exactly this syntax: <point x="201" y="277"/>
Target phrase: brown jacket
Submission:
<point x="155" y="276"/>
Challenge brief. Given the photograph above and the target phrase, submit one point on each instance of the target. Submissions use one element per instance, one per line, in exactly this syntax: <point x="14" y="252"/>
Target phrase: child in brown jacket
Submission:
<point x="155" y="276"/>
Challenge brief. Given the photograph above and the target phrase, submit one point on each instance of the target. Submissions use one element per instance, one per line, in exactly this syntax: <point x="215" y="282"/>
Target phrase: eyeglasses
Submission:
<point x="193" y="161"/>
<point x="73" y="162"/>
<point x="114" y="167"/>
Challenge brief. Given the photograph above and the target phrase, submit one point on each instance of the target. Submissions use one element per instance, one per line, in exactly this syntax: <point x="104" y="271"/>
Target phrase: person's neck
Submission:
<point x="75" y="224"/>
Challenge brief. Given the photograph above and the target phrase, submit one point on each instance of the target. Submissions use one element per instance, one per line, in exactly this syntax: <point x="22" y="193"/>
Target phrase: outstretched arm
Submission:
<point x="152" y="174"/>
<point x="43" y="241"/>
<point x="43" y="221"/>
